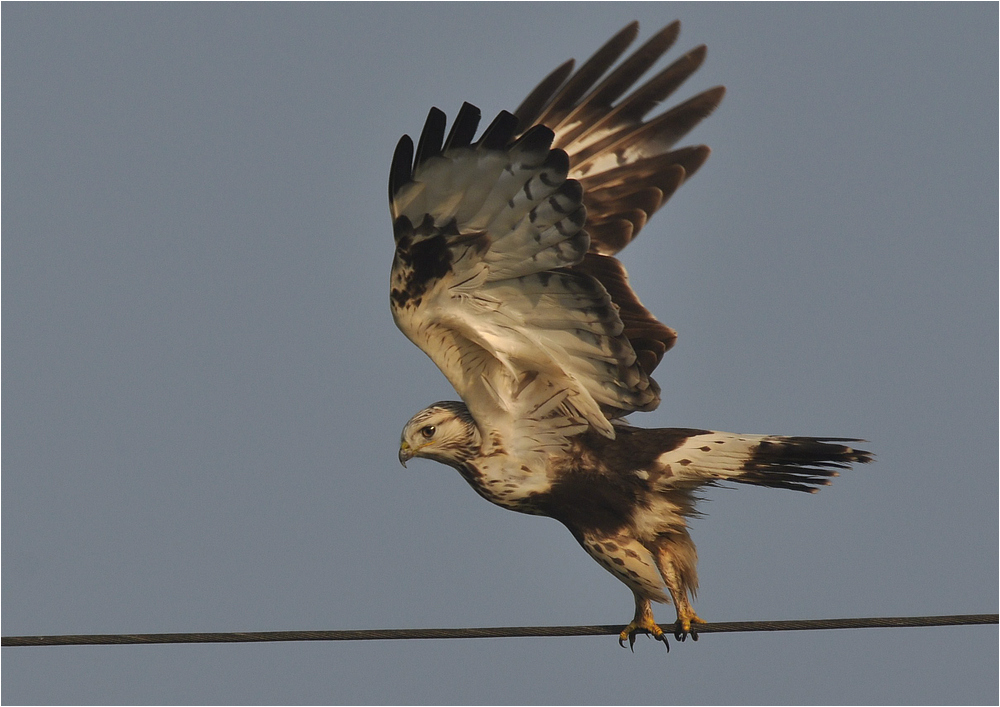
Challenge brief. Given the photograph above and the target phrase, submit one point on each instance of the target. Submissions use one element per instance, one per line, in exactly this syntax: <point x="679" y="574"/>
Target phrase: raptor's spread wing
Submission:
<point x="503" y="272"/>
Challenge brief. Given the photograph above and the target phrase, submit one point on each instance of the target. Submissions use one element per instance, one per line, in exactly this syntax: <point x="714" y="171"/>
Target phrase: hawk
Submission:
<point x="504" y="275"/>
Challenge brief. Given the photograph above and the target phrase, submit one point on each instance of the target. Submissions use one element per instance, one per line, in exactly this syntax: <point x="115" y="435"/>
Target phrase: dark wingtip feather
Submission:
<point x="633" y="29"/>
<point x="500" y="133"/>
<point x="531" y="107"/>
<point x="629" y="71"/>
<point x="431" y="137"/>
<point x="538" y="137"/>
<point x="464" y="127"/>
<point x="401" y="170"/>
<point x="557" y="161"/>
<point x="667" y="35"/>
<point x="711" y="98"/>
<point x="658" y="88"/>
<point x="589" y="73"/>
<point x="692" y="158"/>
<point x="682" y="118"/>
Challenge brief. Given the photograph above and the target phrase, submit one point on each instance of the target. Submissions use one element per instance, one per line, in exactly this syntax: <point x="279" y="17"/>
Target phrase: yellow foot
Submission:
<point x="683" y="627"/>
<point x="647" y="626"/>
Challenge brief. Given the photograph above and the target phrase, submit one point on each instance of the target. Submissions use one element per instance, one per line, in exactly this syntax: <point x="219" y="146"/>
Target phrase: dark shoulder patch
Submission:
<point x="598" y="491"/>
<point x="586" y="500"/>
<point x="635" y="448"/>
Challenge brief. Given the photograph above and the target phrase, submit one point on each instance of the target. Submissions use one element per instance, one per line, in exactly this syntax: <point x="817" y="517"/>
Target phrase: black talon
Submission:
<point x="666" y="644"/>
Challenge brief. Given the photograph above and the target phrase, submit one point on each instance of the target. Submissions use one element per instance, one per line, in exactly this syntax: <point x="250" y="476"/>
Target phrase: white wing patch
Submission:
<point x="713" y="456"/>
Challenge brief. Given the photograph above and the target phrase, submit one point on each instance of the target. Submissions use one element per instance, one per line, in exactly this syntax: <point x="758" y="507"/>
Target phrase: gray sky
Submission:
<point x="203" y="389"/>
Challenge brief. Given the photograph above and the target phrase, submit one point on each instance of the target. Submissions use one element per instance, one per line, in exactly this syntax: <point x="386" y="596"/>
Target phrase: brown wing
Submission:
<point x="625" y="162"/>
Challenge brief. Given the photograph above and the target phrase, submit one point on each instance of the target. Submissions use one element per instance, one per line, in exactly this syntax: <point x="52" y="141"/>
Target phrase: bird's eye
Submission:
<point x="428" y="431"/>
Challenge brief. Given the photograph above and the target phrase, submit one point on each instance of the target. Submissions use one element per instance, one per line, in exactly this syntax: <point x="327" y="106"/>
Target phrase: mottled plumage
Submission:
<point x="504" y="275"/>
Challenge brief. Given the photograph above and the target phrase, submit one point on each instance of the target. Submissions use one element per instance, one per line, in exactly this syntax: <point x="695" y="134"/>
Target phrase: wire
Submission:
<point x="495" y="632"/>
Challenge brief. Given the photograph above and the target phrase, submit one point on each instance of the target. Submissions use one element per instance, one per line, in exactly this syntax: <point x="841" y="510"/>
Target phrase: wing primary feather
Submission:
<point x="609" y="237"/>
<point x="625" y="75"/>
<point x="679" y="120"/>
<point x="401" y="171"/>
<point x="661" y="132"/>
<point x="592" y="69"/>
<point x="531" y="107"/>
<point x="538" y="137"/>
<point x="691" y="158"/>
<point x="500" y="132"/>
<point x="659" y="171"/>
<point x="636" y="105"/>
<point x="651" y="93"/>
<point x="558" y="162"/>
<point x="602" y="202"/>
<point x="464" y="128"/>
<point x="431" y="137"/>
<point x="649" y="338"/>
<point x="590" y="72"/>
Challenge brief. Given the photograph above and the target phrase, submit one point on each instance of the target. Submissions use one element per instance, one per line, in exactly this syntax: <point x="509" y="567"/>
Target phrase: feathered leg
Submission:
<point x="685" y="612"/>
<point x="677" y="561"/>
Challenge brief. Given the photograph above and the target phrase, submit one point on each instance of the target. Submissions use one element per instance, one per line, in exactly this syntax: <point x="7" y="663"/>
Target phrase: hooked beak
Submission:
<point x="405" y="453"/>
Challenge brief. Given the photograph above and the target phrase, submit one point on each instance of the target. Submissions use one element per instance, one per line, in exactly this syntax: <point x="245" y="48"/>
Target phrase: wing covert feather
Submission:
<point x="503" y="272"/>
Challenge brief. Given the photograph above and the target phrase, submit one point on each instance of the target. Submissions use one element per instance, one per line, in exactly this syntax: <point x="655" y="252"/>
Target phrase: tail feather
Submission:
<point x="687" y="458"/>
<point x="799" y="463"/>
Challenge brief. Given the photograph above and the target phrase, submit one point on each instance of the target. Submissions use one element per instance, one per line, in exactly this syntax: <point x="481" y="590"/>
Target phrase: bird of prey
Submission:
<point x="504" y="275"/>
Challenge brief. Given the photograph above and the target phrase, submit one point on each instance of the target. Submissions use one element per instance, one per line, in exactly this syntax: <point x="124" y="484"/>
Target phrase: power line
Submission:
<point x="492" y="632"/>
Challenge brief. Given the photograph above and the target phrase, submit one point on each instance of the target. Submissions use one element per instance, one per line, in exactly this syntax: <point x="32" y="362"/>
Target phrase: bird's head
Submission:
<point x="444" y="432"/>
